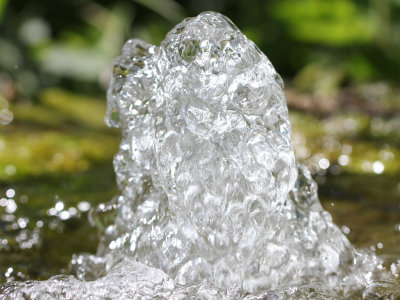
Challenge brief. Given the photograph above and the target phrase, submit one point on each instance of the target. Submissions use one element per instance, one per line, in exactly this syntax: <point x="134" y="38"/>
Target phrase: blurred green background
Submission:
<point x="341" y="65"/>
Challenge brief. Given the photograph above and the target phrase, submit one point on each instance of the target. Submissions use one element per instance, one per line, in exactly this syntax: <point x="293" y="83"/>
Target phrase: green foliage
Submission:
<point x="169" y="9"/>
<point x="72" y="43"/>
<point x="332" y="23"/>
<point x="2" y="6"/>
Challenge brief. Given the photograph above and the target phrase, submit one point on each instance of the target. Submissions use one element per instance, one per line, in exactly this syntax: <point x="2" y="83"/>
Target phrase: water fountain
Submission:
<point x="213" y="204"/>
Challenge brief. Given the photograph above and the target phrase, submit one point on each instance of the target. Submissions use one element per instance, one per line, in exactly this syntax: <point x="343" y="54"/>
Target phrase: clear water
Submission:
<point x="213" y="204"/>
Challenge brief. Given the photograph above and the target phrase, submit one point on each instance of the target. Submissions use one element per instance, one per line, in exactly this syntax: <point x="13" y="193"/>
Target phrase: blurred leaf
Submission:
<point x="360" y="68"/>
<point x="2" y="7"/>
<point x="319" y="78"/>
<point x="11" y="55"/>
<point x="75" y="62"/>
<point x="77" y="58"/>
<point x="169" y="9"/>
<point x="253" y="34"/>
<point x="334" y="22"/>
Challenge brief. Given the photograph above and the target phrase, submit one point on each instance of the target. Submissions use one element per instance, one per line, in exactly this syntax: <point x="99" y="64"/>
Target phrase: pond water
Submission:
<point x="368" y="219"/>
<point x="44" y="220"/>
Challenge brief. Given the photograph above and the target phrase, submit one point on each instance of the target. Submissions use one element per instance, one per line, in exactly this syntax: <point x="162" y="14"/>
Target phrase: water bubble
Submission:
<point x="23" y="199"/>
<point x="3" y="202"/>
<point x="379" y="245"/>
<point x="343" y="160"/>
<point x="22" y="222"/>
<point x="345" y="229"/>
<point x="366" y="166"/>
<point x="386" y="155"/>
<point x="335" y="170"/>
<point x="34" y="31"/>
<point x="59" y="206"/>
<point x="10" y="193"/>
<point x="72" y="211"/>
<point x="11" y="206"/>
<point x="52" y="211"/>
<point x="347" y="149"/>
<point x="84" y="206"/>
<point x="3" y="243"/>
<point x="378" y="167"/>
<point x="6" y="116"/>
<point x="10" y="170"/>
<point x="324" y="163"/>
<point x="64" y="215"/>
<point x="9" y="271"/>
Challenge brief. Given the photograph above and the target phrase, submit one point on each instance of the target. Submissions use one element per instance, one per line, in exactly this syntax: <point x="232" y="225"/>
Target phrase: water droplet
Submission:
<point x="22" y="222"/>
<point x="10" y="193"/>
<point x="52" y="211"/>
<point x="3" y="202"/>
<point x="23" y="199"/>
<point x="345" y="229"/>
<point x="9" y="271"/>
<point x="343" y="160"/>
<point x="64" y="215"/>
<point x="72" y="211"/>
<point x="84" y="206"/>
<point x="335" y="170"/>
<point x="6" y="116"/>
<point x="11" y="206"/>
<point x="324" y="163"/>
<point x="347" y="149"/>
<point x="378" y="167"/>
<point x="10" y="170"/>
<point x="366" y="166"/>
<point x="59" y="206"/>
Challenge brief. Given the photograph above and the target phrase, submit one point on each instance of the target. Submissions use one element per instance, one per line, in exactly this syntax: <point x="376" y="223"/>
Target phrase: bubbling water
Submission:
<point x="213" y="204"/>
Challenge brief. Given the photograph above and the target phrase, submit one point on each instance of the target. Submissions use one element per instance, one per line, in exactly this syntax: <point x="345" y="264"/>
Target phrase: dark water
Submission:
<point x="50" y="222"/>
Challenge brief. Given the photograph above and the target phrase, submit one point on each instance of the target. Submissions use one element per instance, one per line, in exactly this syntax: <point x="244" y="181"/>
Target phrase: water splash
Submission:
<point x="212" y="204"/>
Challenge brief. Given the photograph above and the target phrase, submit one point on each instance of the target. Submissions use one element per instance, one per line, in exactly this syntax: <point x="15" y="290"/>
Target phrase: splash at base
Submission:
<point x="212" y="204"/>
